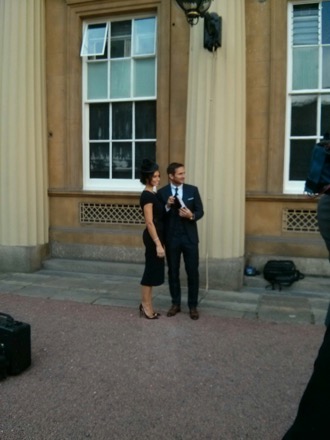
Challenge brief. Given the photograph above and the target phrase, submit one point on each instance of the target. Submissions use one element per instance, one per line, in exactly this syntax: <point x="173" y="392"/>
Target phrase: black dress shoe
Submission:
<point x="194" y="313"/>
<point x="174" y="310"/>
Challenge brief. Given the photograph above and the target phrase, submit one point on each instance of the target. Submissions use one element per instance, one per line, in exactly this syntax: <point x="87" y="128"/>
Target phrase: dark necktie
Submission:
<point x="177" y="204"/>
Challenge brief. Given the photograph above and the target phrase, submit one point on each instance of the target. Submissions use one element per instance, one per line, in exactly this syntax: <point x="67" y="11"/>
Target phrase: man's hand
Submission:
<point x="185" y="213"/>
<point x="170" y="202"/>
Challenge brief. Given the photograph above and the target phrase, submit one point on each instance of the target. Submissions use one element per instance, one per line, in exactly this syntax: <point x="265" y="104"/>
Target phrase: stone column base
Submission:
<point x="22" y="258"/>
<point x="79" y="251"/>
<point x="225" y="274"/>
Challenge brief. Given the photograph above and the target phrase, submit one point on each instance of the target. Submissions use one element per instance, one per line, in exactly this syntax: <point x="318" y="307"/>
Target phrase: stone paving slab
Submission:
<point x="319" y="309"/>
<point x="285" y="309"/>
<point x="319" y="316"/>
<point x="6" y="286"/>
<point x="226" y="313"/>
<point x="229" y="305"/>
<point x="86" y="296"/>
<point x="231" y="296"/>
<point x="116" y="302"/>
<point x="284" y="301"/>
<point x="35" y="291"/>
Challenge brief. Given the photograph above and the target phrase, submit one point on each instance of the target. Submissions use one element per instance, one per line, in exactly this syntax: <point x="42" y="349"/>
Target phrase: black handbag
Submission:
<point x="281" y="273"/>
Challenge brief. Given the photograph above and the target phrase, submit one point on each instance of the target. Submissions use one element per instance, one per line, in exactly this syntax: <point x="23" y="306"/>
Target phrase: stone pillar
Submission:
<point x="23" y="141"/>
<point x="215" y="149"/>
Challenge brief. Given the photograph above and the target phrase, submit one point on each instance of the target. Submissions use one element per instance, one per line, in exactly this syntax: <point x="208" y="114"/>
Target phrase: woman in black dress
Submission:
<point x="153" y="211"/>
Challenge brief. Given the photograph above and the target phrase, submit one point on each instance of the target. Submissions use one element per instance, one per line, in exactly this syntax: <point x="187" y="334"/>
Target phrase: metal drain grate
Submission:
<point x="113" y="214"/>
<point x="299" y="220"/>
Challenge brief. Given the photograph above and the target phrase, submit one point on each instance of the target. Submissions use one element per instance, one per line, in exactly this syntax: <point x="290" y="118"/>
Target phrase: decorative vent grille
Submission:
<point x="299" y="220"/>
<point x="102" y="213"/>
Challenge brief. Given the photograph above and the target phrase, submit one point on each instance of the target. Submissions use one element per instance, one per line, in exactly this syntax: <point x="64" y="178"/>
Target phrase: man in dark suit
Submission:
<point x="183" y="207"/>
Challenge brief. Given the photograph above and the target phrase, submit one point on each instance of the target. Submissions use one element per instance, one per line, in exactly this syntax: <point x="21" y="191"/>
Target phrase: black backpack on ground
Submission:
<point x="281" y="273"/>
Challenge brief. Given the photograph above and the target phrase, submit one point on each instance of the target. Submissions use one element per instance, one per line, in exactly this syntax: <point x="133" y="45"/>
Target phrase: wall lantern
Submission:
<point x="195" y="9"/>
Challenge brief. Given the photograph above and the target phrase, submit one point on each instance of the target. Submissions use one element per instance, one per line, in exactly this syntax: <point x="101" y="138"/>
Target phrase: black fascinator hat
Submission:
<point x="326" y="139"/>
<point x="148" y="167"/>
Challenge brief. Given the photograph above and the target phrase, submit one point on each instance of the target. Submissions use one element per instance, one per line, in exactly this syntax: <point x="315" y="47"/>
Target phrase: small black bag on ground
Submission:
<point x="15" y="336"/>
<point x="281" y="273"/>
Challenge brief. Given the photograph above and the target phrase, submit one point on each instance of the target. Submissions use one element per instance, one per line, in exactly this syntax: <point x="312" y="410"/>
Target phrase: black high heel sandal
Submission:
<point x="143" y="313"/>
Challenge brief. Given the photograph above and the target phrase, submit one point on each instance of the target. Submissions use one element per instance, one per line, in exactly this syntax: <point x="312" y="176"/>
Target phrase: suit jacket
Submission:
<point x="193" y="201"/>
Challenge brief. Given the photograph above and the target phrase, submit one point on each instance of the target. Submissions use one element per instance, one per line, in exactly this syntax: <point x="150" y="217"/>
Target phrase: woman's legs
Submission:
<point x="146" y="300"/>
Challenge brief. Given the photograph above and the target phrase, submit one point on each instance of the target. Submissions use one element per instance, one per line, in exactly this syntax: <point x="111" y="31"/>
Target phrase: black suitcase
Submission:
<point x="3" y="363"/>
<point x="16" y="338"/>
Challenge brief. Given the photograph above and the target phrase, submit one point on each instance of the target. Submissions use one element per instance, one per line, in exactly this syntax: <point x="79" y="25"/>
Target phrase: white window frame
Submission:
<point x="87" y="49"/>
<point x="120" y="185"/>
<point x="296" y="186"/>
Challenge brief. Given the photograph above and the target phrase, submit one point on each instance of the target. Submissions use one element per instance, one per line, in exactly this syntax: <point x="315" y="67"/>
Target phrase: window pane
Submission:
<point x="97" y="80"/>
<point x="325" y="114"/>
<point x="305" y="68"/>
<point x="122" y="120"/>
<point x="94" y="39"/>
<point x="122" y="160"/>
<point x="100" y="57"/>
<point x="305" y="24"/>
<point x="300" y="156"/>
<point x="99" y="161"/>
<point x="144" y="80"/>
<point x="143" y="150"/>
<point x="303" y="116"/>
<point x="326" y="68"/>
<point x="145" y="120"/>
<point x="99" y="121"/>
<point x="121" y="39"/>
<point x="144" y="36"/>
<point x="120" y="86"/>
<point x="325" y="22"/>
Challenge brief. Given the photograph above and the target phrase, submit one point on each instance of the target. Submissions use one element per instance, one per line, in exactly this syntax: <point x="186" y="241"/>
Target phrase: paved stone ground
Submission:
<point x="101" y="372"/>
<point x="304" y="302"/>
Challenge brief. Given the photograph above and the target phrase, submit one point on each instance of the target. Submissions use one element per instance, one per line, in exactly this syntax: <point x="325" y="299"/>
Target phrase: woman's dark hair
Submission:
<point x="148" y="167"/>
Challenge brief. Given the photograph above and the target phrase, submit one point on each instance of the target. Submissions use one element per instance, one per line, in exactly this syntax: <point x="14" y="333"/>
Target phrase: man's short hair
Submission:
<point x="173" y="167"/>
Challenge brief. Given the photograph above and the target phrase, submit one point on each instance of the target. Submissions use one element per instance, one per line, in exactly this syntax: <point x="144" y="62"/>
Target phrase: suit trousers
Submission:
<point x="177" y="245"/>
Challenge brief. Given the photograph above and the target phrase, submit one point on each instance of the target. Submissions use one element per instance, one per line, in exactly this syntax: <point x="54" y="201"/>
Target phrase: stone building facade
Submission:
<point x="68" y="190"/>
